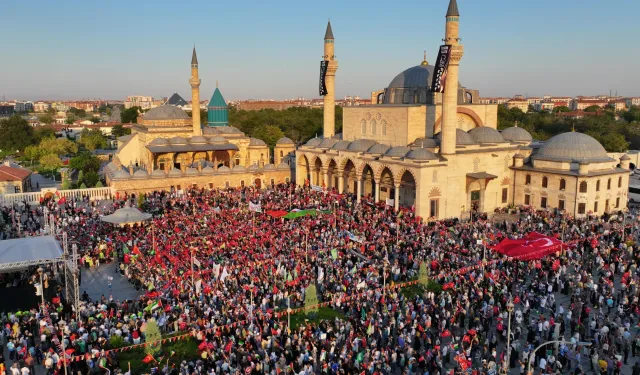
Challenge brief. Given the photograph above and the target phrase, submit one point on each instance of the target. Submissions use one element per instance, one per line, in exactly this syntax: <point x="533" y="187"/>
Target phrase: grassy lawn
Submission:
<point x="324" y="313"/>
<point x="415" y="290"/>
<point x="184" y="349"/>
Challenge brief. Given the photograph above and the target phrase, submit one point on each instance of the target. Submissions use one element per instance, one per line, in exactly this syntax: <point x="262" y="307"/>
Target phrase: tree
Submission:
<point x="561" y="109"/>
<point x="153" y="338"/>
<point x="50" y="162"/>
<point x="423" y="275"/>
<point x="70" y="120"/>
<point x="92" y="179"/>
<point x="79" y="113"/>
<point x="99" y="183"/>
<point x="50" y="111"/>
<point x="66" y="183"/>
<point x="44" y="132"/>
<point x="85" y="162"/>
<point x="311" y="301"/>
<point x="130" y="115"/>
<point x="46" y="119"/>
<point x="16" y="133"/>
<point x="614" y="142"/>
<point x="119" y="131"/>
<point x="269" y="134"/>
<point x="95" y="120"/>
<point x="32" y="153"/>
<point x="80" y="176"/>
<point x="92" y="139"/>
<point x="83" y="186"/>
<point x="57" y="146"/>
<point x="592" y="108"/>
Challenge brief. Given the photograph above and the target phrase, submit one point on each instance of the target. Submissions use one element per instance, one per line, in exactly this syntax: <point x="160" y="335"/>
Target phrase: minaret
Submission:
<point x="450" y="97"/>
<point x="330" y="98"/>
<point x="195" y="94"/>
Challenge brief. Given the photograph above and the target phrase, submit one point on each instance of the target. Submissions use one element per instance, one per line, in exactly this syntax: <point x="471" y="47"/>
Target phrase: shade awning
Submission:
<point x="481" y="175"/>
<point x="23" y="252"/>
<point x="127" y="215"/>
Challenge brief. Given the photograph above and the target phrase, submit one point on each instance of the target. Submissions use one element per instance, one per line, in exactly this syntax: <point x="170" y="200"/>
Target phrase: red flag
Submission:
<point x="148" y="358"/>
<point x="136" y="251"/>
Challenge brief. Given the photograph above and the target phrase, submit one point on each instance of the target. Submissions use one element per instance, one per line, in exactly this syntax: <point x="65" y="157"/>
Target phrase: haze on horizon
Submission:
<point x="74" y="49"/>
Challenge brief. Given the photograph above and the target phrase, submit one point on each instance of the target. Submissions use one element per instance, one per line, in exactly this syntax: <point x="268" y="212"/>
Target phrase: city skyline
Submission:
<point x="273" y="51"/>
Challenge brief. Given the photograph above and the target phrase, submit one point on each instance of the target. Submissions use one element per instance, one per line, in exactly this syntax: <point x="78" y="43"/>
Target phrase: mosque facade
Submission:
<point x="439" y="151"/>
<point x="170" y="150"/>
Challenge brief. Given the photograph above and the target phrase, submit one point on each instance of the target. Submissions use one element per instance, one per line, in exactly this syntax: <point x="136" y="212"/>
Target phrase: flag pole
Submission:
<point x="192" y="277"/>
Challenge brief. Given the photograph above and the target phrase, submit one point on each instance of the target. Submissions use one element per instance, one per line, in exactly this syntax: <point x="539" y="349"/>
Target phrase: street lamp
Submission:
<point x="532" y="356"/>
<point x="510" y="310"/>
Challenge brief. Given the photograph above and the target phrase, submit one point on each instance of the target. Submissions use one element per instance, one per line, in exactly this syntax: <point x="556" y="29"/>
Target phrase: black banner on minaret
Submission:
<point x="323" y="74"/>
<point x="440" y="74"/>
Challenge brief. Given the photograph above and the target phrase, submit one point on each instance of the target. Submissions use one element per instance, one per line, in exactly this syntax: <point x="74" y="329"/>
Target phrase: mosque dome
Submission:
<point x="141" y="173"/>
<point x="328" y="143"/>
<point x="158" y="173"/>
<point x="361" y="145"/>
<point x="207" y="170"/>
<point x="121" y="175"/>
<point x="198" y="139"/>
<point x="178" y="141"/>
<point x="253" y="168"/>
<point x="223" y="169"/>
<point x="255" y="142"/>
<point x="462" y="138"/>
<point x="191" y="172"/>
<point x="485" y="134"/>
<point x="414" y="77"/>
<point x="165" y="112"/>
<point x="572" y="147"/>
<point x="159" y="142"/>
<point x="516" y="134"/>
<point x="218" y="140"/>
<point x="398" y="151"/>
<point x="341" y="146"/>
<point x="378" y="149"/>
<point x="239" y="168"/>
<point x="421" y="154"/>
<point x="269" y="167"/>
<point x="313" y="142"/>
<point x="283" y="166"/>
<point x="175" y="172"/>
<point x="285" y="141"/>
<point x="424" y="143"/>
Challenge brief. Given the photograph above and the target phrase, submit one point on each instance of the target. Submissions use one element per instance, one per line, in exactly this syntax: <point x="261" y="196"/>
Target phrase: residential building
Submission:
<point x="633" y="101"/>
<point x="519" y="103"/>
<point x="14" y="179"/>
<point x="6" y="110"/>
<point x="144" y="102"/>
<point x="582" y="104"/>
<point x="41" y="106"/>
<point x="618" y="104"/>
<point x="22" y="107"/>
<point x="543" y="106"/>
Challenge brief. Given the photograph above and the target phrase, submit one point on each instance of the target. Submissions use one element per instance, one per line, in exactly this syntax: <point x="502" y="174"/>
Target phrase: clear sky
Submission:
<point x="73" y="49"/>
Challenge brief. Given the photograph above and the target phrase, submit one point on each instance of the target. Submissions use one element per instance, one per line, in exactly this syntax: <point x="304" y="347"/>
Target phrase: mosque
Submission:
<point x="440" y="152"/>
<point x="170" y="150"/>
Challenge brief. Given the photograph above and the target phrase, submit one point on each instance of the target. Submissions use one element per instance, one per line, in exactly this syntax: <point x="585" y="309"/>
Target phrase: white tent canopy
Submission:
<point x="127" y="215"/>
<point x="30" y="251"/>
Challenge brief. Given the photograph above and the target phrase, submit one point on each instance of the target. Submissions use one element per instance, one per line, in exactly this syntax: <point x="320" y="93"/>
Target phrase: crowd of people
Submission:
<point x="209" y="267"/>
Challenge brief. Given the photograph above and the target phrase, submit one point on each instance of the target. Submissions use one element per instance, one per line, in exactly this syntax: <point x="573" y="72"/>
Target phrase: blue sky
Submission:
<point x="73" y="49"/>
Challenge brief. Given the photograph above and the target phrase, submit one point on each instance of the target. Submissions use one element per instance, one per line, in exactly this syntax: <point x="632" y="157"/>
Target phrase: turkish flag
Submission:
<point x="531" y="247"/>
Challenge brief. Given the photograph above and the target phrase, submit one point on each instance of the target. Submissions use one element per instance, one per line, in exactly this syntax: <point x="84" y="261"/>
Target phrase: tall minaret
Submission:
<point x="330" y="98"/>
<point x="450" y="97"/>
<point x="195" y="94"/>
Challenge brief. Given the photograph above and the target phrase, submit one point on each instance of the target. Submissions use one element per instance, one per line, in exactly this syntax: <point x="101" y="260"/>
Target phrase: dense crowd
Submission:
<point x="249" y="267"/>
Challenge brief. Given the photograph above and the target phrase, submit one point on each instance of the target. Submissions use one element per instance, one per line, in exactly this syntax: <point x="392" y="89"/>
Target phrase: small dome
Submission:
<point x="328" y="143"/>
<point x="516" y="134"/>
<point x="625" y="157"/>
<point x="283" y="166"/>
<point x="178" y="141"/>
<point x="239" y="168"/>
<point x="424" y="143"/>
<point x="378" y="149"/>
<point x="208" y="170"/>
<point x="121" y="175"/>
<point x="572" y="147"/>
<point x="209" y="130"/>
<point x="313" y="142"/>
<point x="165" y="112"/>
<point x="191" y="172"/>
<point x="518" y="156"/>
<point x="175" y="172"/>
<point x="198" y="140"/>
<point x="341" y="146"/>
<point x="159" y="142"/>
<point x="269" y="167"/>
<point x="255" y="142"/>
<point x="141" y="173"/>
<point x="421" y="154"/>
<point x="218" y="140"/>
<point x="398" y="151"/>
<point x="462" y="138"/>
<point x="361" y="145"/>
<point x="284" y="141"/>
<point x="228" y="130"/>
<point x="484" y="134"/>
<point x="158" y="173"/>
<point x="253" y="168"/>
<point x="224" y="169"/>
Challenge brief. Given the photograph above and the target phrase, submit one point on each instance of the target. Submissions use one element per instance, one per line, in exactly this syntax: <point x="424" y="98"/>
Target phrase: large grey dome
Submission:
<point x="572" y="147"/>
<point x="516" y="134"/>
<point x="341" y="146"/>
<point x="361" y="145"/>
<point x="421" y="154"/>
<point x="165" y="112"/>
<point x="462" y="138"/>
<point x="416" y="76"/>
<point x="398" y="151"/>
<point x="484" y="134"/>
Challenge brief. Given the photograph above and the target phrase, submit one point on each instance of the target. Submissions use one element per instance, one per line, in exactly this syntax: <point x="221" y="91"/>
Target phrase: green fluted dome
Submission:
<point x="217" y="111"/>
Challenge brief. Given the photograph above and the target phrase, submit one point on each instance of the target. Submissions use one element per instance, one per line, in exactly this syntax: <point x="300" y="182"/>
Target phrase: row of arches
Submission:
<point x="376" y="181"/>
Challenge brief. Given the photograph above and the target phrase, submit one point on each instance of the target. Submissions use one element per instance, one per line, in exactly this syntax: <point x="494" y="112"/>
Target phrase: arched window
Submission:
<point x="598" y="185"/>
<point x="281" y="153"/>
<point x="527" y="179"/>
<point x="384" y="127"/>
<point x="373" y="127"/>
<point x="609" y="184"/>
<point x="406" y="97"/>
<point x="620" y="181"/>
<point x="363" y="124"/>
<point x="583" y="187"/>
<point x="563" y="184"/>
<point x="544" y="182"/>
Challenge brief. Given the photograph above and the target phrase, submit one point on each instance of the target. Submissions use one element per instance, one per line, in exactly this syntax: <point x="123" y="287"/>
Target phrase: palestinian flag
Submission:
<point x="154" y="305"/>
